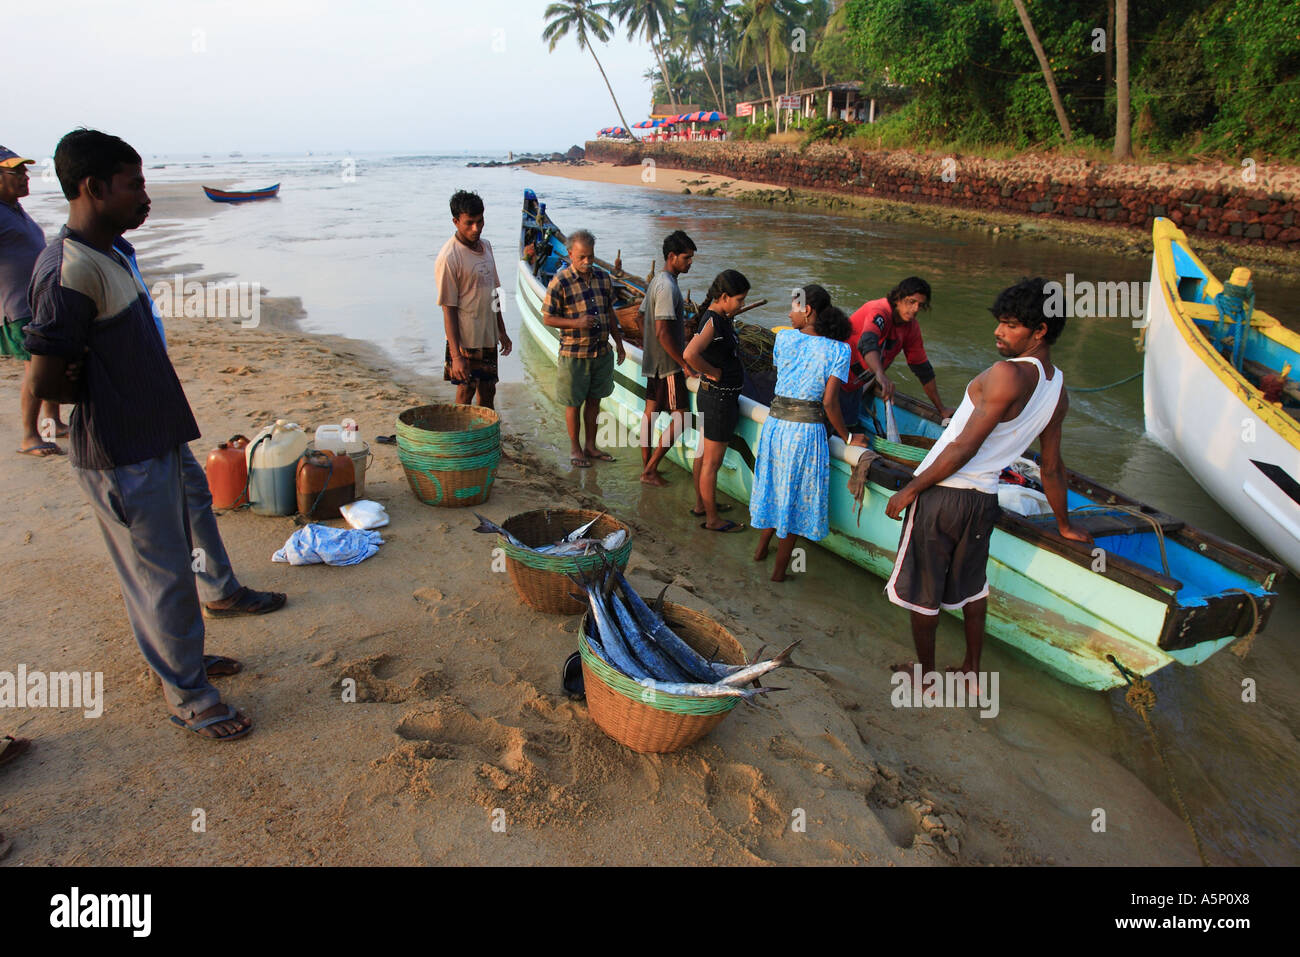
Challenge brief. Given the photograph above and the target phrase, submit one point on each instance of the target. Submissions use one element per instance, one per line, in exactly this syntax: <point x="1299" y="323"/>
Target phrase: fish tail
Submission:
<point x="784" y="656"/>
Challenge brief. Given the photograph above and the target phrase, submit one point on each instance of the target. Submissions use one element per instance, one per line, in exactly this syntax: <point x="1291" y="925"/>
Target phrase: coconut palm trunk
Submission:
<point x="1057" y="104"/>
<point x="618" y="109"/>
<point x="1123" y="122"/>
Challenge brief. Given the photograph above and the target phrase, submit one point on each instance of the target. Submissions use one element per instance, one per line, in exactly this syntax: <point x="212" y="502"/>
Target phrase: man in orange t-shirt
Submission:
<point x="882" y="329"/>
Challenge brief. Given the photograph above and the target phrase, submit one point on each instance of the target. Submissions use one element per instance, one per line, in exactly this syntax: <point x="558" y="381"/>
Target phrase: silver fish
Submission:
<point x="611" y="639"/>
<point x="759" y="668"/>
<point x="703" y="690"/>
<point x="648" y="653"/>
<point x="686" y="657"/>
<point x="577" y="533"/>
<point x="491" y="527"/>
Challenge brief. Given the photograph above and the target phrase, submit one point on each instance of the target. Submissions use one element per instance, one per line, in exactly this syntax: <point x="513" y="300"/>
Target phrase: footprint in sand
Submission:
<point x="378" y="679"/>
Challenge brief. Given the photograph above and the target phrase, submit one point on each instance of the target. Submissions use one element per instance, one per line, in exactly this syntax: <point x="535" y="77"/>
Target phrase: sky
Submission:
<point x="285" y="76"/>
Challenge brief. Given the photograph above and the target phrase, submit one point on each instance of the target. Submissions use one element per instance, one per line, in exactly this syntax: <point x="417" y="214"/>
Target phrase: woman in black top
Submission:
<point x="715" y="352"/>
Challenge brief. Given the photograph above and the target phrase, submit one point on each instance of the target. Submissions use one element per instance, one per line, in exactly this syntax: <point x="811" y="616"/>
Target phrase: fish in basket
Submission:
<point x="658" y="679"/>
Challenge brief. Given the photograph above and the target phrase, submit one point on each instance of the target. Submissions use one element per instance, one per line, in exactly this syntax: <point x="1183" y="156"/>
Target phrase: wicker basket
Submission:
<point x="652" y="721"/>
<point x="542" y="580"/>
<point x="450" y="453"/>
<point x="908" y="452"/>
<point x="629" y="318"/>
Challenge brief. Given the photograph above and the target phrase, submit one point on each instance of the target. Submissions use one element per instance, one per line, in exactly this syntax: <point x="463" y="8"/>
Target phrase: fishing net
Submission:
<point x="756" y="344"/>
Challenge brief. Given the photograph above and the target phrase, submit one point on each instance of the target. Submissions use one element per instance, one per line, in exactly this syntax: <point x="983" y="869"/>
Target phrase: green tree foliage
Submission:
<point x="1212" y="75"/>
<point x="1218" y="77"/>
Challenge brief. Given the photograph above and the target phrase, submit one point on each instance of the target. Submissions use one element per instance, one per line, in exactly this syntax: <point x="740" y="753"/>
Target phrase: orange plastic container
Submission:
<point x="325" y="481"/>
<point x="227" y="471"/>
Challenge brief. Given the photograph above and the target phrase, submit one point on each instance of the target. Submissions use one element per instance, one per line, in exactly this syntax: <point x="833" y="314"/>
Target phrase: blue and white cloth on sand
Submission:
<point x="313" y="544"/>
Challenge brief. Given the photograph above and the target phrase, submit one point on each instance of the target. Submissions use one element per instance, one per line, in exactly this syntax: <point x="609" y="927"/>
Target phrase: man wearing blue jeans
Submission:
<point x="94" y="344"/>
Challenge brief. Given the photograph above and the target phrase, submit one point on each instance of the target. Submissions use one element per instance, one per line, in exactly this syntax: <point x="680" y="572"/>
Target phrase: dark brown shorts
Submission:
<point x="668" y="393"/>
<point x="943" y="553"/>
<point x="481" y="363"/>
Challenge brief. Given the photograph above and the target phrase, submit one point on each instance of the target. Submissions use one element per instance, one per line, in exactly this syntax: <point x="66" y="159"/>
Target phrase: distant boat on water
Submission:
<point x="244" y="196"/>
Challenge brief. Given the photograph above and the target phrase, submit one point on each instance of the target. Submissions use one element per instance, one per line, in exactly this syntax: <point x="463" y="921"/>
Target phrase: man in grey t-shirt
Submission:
<point x="662" y="363"/>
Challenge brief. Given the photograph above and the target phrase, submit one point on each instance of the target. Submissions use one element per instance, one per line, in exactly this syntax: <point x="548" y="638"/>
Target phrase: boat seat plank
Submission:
<point x="1098" y="524"/>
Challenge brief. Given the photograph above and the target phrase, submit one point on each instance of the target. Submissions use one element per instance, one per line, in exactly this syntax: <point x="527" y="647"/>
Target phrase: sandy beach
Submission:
<point x="460" y="710"/>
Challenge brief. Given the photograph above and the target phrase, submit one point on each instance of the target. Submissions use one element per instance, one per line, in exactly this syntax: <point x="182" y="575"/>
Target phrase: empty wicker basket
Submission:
<point x="450" y="452"/>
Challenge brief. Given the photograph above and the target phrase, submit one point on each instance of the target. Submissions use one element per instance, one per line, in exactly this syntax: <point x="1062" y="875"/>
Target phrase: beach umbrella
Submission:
<point x="704" y="116"/>
<point x="613" y="131"/>
<point x="647" y="124"/>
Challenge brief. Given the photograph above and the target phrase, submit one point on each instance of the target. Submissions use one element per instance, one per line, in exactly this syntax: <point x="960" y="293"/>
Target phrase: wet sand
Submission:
<point x="460" y="712"/>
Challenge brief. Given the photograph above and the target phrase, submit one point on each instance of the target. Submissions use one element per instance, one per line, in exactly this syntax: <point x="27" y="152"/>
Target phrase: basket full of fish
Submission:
<point x="659" y="678"/>
<point x="547" y="545"/>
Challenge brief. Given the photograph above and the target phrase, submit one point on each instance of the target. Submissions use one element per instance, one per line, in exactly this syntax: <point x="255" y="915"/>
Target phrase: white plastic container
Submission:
<point x="345" y="438"/>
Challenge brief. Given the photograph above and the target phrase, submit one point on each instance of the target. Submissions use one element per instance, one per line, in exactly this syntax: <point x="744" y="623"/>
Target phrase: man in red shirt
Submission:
<point x="882" y="329"/>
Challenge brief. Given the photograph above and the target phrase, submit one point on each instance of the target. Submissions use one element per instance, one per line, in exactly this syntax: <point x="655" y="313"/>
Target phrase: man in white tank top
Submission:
<point x="952" y="502"/>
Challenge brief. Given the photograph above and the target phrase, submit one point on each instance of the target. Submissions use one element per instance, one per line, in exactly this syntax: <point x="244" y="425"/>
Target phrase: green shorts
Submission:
<point x="578" y="380"/>
<point x="11" y="339"/>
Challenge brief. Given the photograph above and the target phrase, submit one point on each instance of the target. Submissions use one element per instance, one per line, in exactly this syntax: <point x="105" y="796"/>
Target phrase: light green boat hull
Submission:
<point x="1062" y="614"/>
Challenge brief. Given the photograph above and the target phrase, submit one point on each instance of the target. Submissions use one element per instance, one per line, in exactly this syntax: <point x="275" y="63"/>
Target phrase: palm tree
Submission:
<point x="585" y="21"/>
<point x="650" y="18"/>
<point x="763" y="38"/>
<point x="1123" y="125"/>
<point x="696" y="30"/>
<point x="1057" y="104"/>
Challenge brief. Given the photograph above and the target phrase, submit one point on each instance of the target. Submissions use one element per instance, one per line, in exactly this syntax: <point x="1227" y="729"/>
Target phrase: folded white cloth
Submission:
<point x="313" y="544"/>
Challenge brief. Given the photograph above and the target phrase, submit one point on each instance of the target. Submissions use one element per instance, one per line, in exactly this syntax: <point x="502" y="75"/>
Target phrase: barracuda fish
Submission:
<point x="657" y="663"/>
<point x="612" y="641"/>
<point x="759" y="668"/>
<point x="570" y="545"/>
<point x="687" y="658"/>
<point x="705" y="690"/>
<point x="585" y="546"/>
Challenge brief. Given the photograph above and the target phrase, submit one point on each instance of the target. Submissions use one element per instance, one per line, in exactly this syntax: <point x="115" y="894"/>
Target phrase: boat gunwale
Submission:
<point x="1125" y="572"/>
<point x="1165" y="233"/>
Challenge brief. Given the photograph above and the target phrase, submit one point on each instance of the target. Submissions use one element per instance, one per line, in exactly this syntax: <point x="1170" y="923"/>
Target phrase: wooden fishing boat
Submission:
<point x="1208" y="382"/>
<point x="1151" y="591"/>
<point x="222" y="196"/>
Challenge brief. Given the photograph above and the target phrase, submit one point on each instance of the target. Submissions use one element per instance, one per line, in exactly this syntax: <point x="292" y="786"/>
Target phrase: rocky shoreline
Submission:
<point x="1062" y="199"/>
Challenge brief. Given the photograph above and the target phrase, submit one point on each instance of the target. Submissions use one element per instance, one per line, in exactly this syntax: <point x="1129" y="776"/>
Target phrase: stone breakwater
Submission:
<point x="1253" y="204"/>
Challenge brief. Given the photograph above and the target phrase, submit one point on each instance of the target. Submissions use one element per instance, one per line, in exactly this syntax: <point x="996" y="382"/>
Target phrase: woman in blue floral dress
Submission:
<point x="792" y="466"/>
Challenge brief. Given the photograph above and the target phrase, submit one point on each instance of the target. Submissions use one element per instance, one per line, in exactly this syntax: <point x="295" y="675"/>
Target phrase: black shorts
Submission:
<point x="720" y="412"/>
<point x="668" y="393"/>
<point x="943" y="553"/>
<point x="481" y="364"/>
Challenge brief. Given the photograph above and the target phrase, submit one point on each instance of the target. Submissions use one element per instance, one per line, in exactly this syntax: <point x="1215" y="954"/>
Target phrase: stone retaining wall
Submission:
<point x="1247" y="203"/>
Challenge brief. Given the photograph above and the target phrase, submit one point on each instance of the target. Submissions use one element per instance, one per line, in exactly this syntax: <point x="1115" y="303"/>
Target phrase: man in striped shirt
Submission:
<point x="93" y="344"/>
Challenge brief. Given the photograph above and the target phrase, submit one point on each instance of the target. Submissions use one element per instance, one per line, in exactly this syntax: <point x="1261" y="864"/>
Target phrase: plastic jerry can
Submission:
<point x="227" y="471"/>
<point x="272" y="467"/>
<point x="325" y="481"/>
